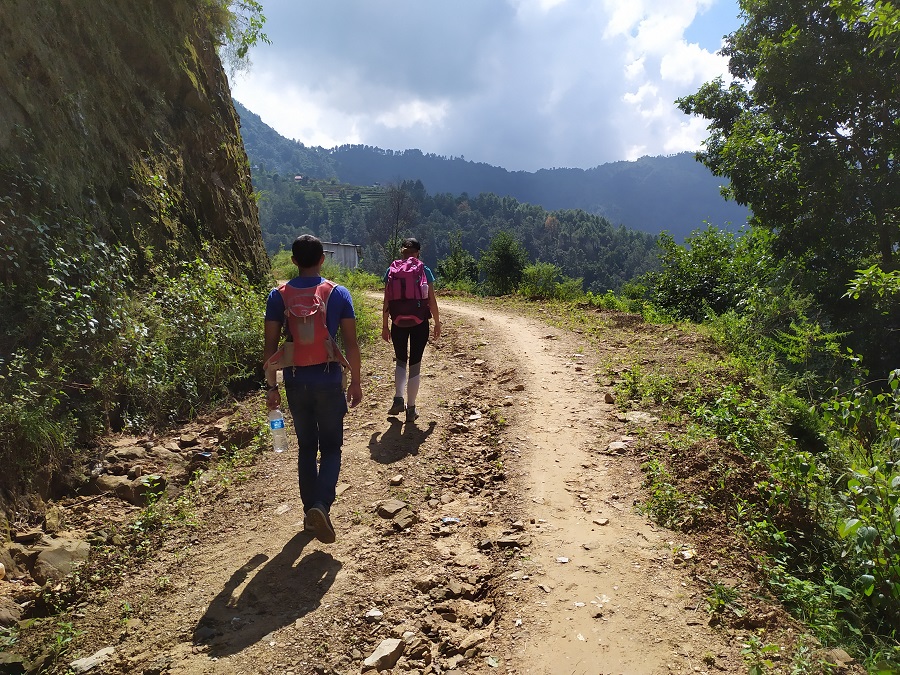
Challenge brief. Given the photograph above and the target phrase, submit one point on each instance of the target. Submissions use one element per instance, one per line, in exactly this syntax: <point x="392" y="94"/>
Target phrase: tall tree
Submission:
<point x="394" y="216"/>
<point x="459" y="265"/>
<point x="808" y="133"/>
<point x="502" y="264"/>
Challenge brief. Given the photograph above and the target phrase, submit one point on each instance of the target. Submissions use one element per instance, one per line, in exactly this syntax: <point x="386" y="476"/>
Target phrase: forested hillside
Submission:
<point x="580" y="244"/>
<point x="652" y="194"/>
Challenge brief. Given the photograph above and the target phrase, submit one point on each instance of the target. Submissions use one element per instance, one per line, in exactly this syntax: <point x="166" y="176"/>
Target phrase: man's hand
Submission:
<point x="354" y="394"/>
<point x="273" y="399"/>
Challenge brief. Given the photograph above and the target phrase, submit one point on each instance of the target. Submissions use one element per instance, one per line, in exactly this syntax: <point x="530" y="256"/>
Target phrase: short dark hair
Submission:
<point x="410" y="243"/>
<point x="307" y="251"/>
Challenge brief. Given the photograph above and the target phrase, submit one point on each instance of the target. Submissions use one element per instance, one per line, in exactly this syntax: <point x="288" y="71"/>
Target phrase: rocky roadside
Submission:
<point x="42" y="550"/>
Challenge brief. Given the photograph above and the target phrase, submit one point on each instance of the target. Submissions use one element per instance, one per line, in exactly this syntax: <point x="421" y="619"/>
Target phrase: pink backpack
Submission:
<point x="311" y="343"/>
<point x="407" y="292"/>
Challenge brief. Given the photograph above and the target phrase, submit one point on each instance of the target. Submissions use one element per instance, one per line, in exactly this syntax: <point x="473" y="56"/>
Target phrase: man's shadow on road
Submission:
<point x="398" y="441"/>
<point x="278" y="594"/>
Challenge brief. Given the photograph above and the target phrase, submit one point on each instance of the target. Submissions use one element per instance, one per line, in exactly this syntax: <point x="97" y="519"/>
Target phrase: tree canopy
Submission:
<point x="808" y="133"/>
<point x="502" y="264"/>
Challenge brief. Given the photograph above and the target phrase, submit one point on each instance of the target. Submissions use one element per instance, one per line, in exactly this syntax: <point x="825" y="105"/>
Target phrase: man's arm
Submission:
<point x="351" y="347"/>
<point x="270" y="345"/>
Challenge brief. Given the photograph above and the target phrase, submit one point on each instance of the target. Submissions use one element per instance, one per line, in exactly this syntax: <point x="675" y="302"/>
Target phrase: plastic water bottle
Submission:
<point x="279" y="435"/>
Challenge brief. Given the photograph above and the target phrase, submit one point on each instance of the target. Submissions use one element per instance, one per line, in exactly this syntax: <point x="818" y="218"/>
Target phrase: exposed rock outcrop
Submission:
<point x="125" y="110"/>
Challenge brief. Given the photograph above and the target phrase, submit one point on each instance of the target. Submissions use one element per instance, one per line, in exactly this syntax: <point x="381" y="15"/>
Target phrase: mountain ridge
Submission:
<point x="685" y="193"/>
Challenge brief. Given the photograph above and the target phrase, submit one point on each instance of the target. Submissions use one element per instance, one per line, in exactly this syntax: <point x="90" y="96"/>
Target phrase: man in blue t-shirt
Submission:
<point x="315" y="393"/>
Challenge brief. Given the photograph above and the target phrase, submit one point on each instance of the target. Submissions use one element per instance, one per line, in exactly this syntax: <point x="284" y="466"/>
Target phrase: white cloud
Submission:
<point x="686" y="64"/>
<point x="684" y="136"/>
<point x="413" y="113"/>
<point x="523" y="84"/>
<point x="635" y="69"/>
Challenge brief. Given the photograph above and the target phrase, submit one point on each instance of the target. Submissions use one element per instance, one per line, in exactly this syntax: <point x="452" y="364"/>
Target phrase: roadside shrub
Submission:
<point x="282" y="267"/>
<point x="85" y="348"/>
<point x="608" y="300"/>
<point x="539" y="281"/>
<point x="63" y="298"/>
<point x="866" y="425"/>
<point x="545" y="281"/>
<point x="463" y="286"/>
<point x="712" y="273"/>
<point x="194" y="334"/>
<point x="502" y="264"/>
<point x="459" y="270"/>
<point x="635" y="297"/>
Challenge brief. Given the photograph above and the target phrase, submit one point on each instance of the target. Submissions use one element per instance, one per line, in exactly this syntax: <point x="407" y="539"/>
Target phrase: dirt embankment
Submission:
<point x="496" y="534"/>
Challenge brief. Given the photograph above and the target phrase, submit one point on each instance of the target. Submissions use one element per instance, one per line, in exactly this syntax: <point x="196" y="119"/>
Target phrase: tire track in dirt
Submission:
<point x="598" y="588"/>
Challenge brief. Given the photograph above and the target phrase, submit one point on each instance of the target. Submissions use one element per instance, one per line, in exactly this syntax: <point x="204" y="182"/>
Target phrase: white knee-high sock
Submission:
<point x="412" y="390"/>
<point x="412" y="387"/>
<point x="399" y="380"/>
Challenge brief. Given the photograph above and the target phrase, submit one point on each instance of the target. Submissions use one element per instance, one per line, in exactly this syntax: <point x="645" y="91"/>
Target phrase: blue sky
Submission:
<point x="522" y="84"/>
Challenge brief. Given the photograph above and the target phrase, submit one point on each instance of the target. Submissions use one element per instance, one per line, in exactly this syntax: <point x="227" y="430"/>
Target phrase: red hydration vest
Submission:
<point x="309" y="341"/>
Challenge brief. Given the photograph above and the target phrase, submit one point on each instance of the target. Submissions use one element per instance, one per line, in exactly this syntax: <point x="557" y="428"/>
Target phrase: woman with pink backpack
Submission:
<point x="410" y="303"/>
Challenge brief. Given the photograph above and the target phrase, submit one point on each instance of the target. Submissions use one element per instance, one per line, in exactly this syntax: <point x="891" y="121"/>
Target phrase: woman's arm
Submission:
<point x="435" y="314"/>
<point x="385" y="316"/>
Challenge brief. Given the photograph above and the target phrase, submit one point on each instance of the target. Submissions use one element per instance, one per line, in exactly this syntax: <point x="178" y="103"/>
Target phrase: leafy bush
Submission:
<point x="622" y="303"/>
<point x="502" y="264"/>
<point x="63" y="300"/>
<point x="85" y="348"/>
<point x="545" y="281"/>
<point x="463" y="286"/>
<point x="867" y="425"/>
<point x="194" y="334"/>
<point x="459" y="270"/>
<point x="665" y="503"/>
<point x="713" y="272"/>
<point x="282" y="267"/>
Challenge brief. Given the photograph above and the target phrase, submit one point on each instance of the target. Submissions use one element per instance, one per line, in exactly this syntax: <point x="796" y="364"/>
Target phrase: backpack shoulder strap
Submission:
<point x="324" y="290"/>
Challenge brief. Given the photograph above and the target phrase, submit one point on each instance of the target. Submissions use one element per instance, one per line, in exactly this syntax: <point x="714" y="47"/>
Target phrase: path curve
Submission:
<point x="606" y="593"/>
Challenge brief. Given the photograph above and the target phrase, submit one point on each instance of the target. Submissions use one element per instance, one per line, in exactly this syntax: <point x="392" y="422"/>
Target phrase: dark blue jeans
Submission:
<point x="318" y="410"/>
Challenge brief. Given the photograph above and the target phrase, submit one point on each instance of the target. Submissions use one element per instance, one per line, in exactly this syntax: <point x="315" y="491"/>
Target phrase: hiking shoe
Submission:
<point x="307" y="526"/>
<point x="318" y="518"/>
<point x="411" y="414"/>
<point x="398" y="406"/>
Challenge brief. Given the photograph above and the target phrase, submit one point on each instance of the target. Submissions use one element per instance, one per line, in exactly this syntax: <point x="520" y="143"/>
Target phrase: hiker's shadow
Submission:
<point x="277" y="595"/>
<point x="398" y="441"/>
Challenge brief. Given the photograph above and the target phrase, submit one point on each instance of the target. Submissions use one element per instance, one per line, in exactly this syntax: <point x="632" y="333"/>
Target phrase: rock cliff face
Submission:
<point x="123" y="109"/>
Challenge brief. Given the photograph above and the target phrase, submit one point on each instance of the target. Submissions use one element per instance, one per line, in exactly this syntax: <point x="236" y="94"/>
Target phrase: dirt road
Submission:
<point x="496" y="534"/>
<point x="610" y="599"/>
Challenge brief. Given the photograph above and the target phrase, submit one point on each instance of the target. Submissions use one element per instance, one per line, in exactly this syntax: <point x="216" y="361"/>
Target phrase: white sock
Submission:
<point x="412" y="390"/>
